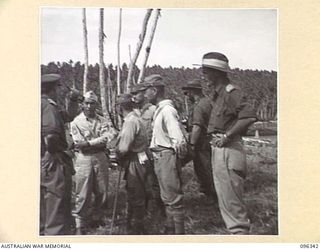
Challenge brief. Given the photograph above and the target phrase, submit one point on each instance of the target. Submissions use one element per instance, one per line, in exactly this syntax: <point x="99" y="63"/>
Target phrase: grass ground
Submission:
<point x="203" y="218"/>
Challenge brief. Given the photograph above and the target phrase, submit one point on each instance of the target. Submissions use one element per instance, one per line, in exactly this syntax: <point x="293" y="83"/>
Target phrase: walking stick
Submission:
<point x="115" y="201"/>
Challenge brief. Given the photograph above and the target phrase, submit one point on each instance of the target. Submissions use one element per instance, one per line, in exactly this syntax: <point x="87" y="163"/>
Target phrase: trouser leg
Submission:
<point x="168" y="173"/>
<point x="136" y="195"/>
<point x="83" y="191"/>
<point x="100" y="186"/>
<point x="203" y="170"/>
<point x="229" y="187"/>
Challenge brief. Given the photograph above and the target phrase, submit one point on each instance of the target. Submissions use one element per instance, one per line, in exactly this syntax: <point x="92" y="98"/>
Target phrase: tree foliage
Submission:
<point x="259" y="85"/>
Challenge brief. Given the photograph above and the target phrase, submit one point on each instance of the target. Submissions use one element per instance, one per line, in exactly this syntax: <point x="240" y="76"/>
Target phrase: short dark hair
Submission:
<point x="127" y="106"/>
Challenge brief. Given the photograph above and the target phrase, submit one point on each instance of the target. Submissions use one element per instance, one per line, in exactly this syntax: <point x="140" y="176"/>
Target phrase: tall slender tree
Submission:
<point x="139" y="45"/>
<point x="148" y="47"/>
<point x="101" y="65"/>
<point x="118" y="48"/>
<point x="86" y="53"/>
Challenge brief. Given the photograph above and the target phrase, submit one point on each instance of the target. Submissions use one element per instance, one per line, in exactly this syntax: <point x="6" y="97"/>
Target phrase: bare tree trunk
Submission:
<point x="101" y="66"/>
<point x="148" y="48"/>
<point x="139" y="45"/>
<point x="118" y="67"/>
<point x="109" y="91"/>
<point x="86" y="56"/>
<point x="133" y="79"/>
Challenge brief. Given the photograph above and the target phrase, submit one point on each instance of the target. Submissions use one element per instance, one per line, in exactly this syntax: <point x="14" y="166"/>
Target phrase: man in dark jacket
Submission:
<point x="56" y="165"/>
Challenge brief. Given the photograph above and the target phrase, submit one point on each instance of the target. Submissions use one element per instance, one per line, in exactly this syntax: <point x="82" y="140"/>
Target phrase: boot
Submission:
<point x="178" y="218"/>
<point x="179" y="226"/>
<point x="79" y="231"/>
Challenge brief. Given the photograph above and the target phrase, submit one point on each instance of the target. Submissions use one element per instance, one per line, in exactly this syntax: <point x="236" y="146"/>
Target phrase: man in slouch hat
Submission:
<point x="198" y="125"/>
<point x="230" y="118"/>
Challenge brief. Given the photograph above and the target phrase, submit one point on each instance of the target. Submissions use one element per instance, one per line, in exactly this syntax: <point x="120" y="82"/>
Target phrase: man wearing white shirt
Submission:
<point x="165" y="144"/>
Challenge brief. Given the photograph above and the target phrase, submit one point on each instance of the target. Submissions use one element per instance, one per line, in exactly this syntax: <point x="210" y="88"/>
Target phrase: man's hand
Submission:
<point x="75" y="95"/>
<point x="81" y="145"/>
<point x="222" y="141"/>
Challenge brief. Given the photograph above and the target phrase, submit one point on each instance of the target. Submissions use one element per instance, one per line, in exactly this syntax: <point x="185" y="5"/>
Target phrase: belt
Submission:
<point x="91" y="151"/>
<point x="160" y="149"/>
<point x="216" y="136"/>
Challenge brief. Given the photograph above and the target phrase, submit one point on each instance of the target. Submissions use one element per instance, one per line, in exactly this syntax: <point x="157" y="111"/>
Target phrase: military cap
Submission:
<point x="90" y="96"/>
<point x="194" y="84"/>
<point x="137" y="88"/>
<point x="215" y="60"/>
<point x="154" y="80"/>
<point x="124" y="99"/>
<point x="50" y="78"/>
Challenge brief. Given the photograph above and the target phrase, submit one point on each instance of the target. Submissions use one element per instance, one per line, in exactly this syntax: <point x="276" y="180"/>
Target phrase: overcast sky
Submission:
<point x="248" y="37"/>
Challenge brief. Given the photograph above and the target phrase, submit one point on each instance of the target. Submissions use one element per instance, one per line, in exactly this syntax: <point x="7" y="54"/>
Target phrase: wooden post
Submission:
<point x="118" y="47"/>
<point x="148" y="48"/>
<point x="101" y="66"/>
<point x="139" y="45"/>
<point x="86" y="56"/>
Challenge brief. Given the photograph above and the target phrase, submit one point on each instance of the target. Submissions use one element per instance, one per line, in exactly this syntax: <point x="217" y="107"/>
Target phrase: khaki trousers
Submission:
<point x="229" y="170"/>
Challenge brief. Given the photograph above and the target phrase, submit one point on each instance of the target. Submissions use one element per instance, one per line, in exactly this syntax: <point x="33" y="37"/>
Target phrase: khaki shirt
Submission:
<point x="229" y="106"/>
<point x="200" y="117"/>
<point x="132" y="137"/>
<point x="96" y="131"/>
<point x="146" y="115"/>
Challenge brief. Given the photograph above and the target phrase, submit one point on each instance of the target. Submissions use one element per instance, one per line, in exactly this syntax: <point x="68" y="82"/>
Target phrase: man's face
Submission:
<point x="191" y="96"/>
<point x="139" y="97"/>
<point x="151" y="94"/>
<point x="119" y="110"/>
<point x="210" y="74"/>
<point x="89" y="108"/>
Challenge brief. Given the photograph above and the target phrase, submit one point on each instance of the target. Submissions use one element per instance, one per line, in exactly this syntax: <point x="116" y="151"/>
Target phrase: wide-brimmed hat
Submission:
<point x="50" y="79"/>
<point x="154" y="80"/>
<point x="215" y="60"/>
<point x="124" y="99"/>
<point x="194" y="84"/>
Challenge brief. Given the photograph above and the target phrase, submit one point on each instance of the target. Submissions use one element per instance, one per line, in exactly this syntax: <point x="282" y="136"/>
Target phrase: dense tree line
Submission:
<point x="260" y="86"/>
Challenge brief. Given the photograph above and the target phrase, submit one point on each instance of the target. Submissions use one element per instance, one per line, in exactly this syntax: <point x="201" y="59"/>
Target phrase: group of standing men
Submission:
<point x="149" y="147"/>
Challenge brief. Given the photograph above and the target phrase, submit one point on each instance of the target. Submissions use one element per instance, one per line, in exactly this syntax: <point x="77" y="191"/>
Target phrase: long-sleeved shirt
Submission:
<point x="97" y="131"/>
<point x="166" y="129"/>
<point x="132" y="137"/>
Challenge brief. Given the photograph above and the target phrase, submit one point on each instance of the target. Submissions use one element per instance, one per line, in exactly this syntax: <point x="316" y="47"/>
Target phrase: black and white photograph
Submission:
<point x="159" y="121"/>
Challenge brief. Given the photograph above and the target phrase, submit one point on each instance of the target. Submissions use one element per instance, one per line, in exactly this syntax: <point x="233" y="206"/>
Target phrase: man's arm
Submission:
<point x="171" y="121"/>
<point x="126" y="138"/>
<point x="195" y="134"/>
<point x="107" y="133"/>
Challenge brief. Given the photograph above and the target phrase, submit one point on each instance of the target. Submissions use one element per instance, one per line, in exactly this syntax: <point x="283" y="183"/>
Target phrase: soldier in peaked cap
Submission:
<point x="155" y="206"/>
<point x="230" y="118"/>
<point x="198" y="125"/>
<point x="132" y="144"/>
<point x="90" y="133"/>
<point x="166" y="145"/>
<point x="56" y="165"/>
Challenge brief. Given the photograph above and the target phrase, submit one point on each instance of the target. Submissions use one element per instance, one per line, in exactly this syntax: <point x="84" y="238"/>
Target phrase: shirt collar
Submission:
<point x="83" y="116"/>
<point x="145" y="107"/>
<point x="49" y="99"/>
<point x="132" y="113"/>
<point x="164" y="102"/>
